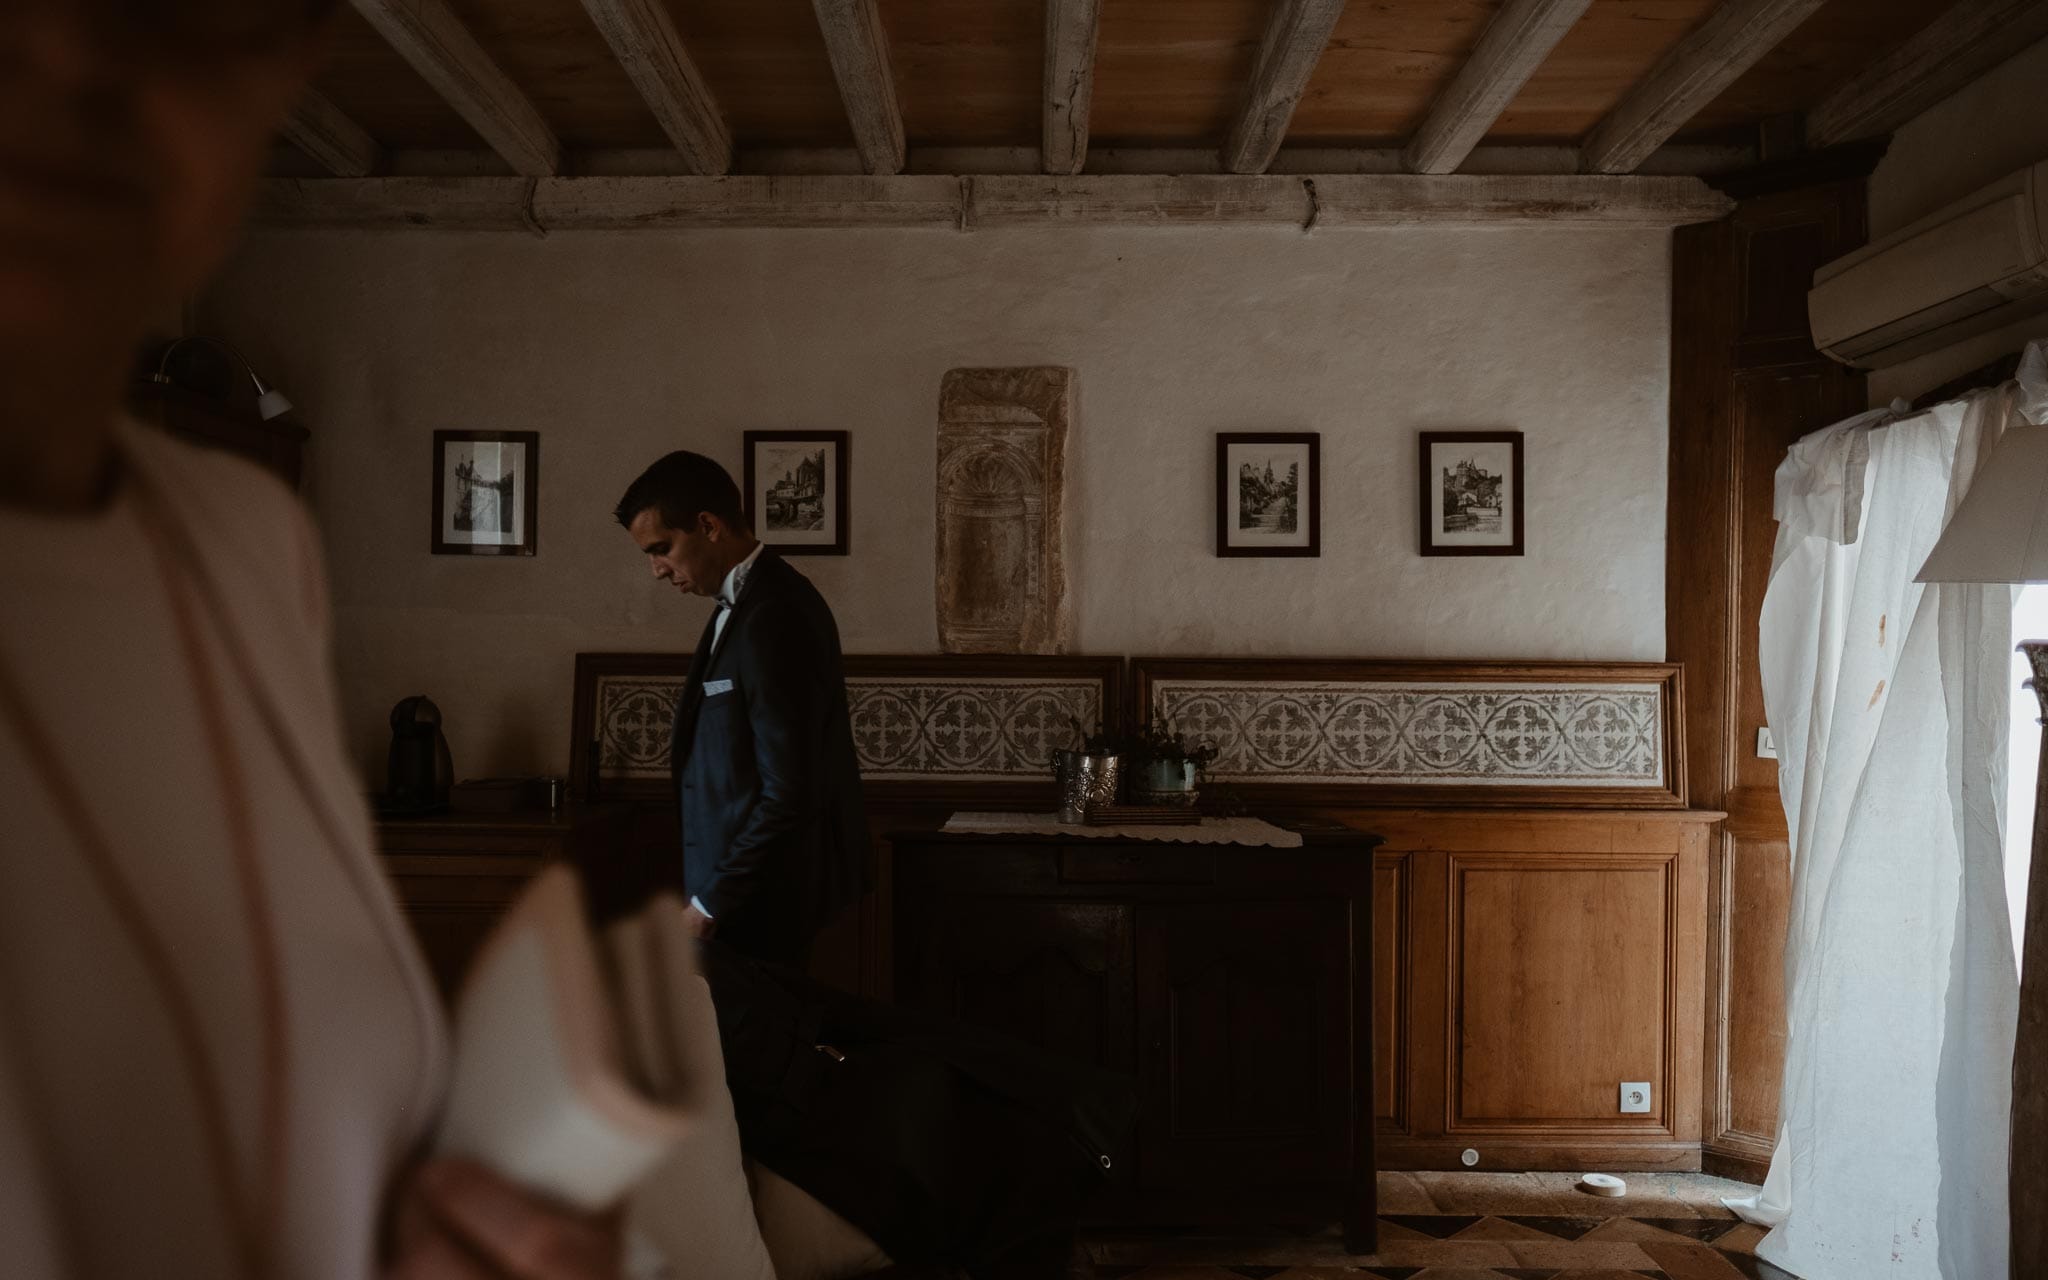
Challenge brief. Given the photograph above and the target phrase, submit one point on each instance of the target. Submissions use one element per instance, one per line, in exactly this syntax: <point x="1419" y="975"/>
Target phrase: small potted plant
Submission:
<point x="1165" y="769"/>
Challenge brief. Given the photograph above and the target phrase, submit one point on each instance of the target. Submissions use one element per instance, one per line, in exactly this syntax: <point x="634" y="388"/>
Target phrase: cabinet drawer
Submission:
<point x="1133" y="864"/>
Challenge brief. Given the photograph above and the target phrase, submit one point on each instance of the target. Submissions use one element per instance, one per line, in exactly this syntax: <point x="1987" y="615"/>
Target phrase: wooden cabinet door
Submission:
<point x="1245" y="1044"/>
<point x="1056" y="975"/>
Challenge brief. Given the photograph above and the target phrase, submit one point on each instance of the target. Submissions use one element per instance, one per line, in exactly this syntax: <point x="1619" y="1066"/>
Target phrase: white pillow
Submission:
<point x="807" y="1240"/>
<point x="694" y="1210"/>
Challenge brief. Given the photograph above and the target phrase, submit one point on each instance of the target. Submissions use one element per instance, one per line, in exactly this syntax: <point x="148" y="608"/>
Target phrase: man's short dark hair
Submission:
<point x="682" y="485"/>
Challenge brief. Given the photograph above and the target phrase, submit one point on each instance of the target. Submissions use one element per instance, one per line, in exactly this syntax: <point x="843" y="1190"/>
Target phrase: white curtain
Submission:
<point x="1888" y="704"/>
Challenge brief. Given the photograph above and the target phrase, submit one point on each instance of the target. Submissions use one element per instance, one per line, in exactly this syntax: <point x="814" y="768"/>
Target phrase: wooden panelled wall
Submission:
<point x="1530" y="955"/>
<point x="1529" y="963"/>
<point x="1745" y="383"/>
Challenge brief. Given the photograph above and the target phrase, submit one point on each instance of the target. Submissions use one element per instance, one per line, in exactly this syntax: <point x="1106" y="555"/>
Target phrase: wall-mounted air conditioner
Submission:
<point x="1975" y="266"/>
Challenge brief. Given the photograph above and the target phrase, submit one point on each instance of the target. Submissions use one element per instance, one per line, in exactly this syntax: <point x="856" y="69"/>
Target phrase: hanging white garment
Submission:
<point x="1888" y="703"/>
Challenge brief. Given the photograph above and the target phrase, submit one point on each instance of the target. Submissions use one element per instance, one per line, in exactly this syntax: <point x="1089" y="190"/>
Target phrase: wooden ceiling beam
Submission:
<point x="1711" y="57"/>
<point x="324" y="132"/>
<point x="643" y="37"/>
<point x="860" y="63"/>
<point x="1515" y="43"/>
<point x="1297" y="31"/>
<point x="427" y="34"/>
<point x="623" y="204"/>
<point x="1963" y="43"/>
<point x="1070" y="27"/>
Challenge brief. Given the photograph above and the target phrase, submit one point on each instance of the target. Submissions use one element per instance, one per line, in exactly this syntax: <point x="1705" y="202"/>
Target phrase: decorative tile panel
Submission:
<point x="904" y="729"/>
<point x="1431" y="733"/>
<point x="634" y="715"/>
<point x="966" y="730"/>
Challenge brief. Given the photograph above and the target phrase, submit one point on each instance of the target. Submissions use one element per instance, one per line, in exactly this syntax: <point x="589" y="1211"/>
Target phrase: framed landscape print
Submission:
<point x="1269" y="497"/>
<point x="486" y="491"/>
<point x="796" y="492"/>
<point x="1471" y="493"/>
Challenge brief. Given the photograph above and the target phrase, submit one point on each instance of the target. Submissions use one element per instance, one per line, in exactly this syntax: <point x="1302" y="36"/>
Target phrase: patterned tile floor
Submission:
<point x="1480" y="1226"/>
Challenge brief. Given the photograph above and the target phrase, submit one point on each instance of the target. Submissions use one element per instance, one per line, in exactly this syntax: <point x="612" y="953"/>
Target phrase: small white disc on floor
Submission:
<point x="1603" y="1184"/>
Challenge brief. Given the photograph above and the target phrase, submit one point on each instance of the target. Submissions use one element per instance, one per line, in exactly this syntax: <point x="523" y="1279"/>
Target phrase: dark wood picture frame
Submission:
<point x="1280" y="796"/>
<point x="529" y="484"/>
<point x="1226" y="497"/>
<point x="841" y="442"/>
<point x="1426" y="479"/>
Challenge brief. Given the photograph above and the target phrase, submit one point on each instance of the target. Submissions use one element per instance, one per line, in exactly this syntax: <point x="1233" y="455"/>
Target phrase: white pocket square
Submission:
<point x="712" y="688"/>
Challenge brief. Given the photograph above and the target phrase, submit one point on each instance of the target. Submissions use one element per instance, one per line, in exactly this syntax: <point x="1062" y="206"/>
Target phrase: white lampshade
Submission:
<point x="272" y="404"/>
<point x="2000" y="533"/>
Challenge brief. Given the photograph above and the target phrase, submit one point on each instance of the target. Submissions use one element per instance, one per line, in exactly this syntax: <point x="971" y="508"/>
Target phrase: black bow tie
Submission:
<point x="719" y="604"/>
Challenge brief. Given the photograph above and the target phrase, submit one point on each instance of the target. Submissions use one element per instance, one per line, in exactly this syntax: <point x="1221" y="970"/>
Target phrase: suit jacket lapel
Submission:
<point x="689" y="702"/>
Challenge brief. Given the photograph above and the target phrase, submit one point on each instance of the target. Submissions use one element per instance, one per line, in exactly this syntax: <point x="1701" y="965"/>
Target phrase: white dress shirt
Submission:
<point x="729" y="593"/>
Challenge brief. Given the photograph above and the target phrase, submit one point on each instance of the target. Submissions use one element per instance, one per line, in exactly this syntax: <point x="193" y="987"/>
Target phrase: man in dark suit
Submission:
<point x="773" y="833"/>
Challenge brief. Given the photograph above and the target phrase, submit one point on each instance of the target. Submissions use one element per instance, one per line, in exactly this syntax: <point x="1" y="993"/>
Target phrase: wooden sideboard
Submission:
<point x="1232" y="983"/>
<point x="1538" y="938"/>
<point x="455" y="873"/>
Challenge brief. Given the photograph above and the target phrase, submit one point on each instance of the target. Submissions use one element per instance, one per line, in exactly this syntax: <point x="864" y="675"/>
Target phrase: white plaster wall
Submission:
<point x="1978" y="135"/>
<point x="618" y="347"/>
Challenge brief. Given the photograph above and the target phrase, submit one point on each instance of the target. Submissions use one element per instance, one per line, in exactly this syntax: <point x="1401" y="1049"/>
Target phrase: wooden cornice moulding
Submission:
<point x="632" y="203"/>
<point x="1642" y="202"/>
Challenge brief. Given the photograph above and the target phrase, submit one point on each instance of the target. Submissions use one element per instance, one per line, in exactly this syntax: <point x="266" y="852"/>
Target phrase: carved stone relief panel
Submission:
<point x="1002" y="480"/>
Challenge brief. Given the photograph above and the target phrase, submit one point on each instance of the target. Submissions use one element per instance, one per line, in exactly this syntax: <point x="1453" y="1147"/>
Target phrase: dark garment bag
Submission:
<point x="943" y="1142"/>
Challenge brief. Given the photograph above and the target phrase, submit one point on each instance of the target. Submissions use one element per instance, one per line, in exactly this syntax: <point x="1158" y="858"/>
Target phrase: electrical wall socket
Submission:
<point x="1635" y="1097"/>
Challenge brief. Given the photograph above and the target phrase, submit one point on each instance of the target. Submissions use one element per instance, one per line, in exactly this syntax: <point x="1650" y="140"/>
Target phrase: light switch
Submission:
<point x="1766" y="747"/>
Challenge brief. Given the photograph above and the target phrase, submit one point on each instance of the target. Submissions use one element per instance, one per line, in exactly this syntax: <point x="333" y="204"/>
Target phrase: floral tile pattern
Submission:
<point x="634" y="716"/>
<point x="966" y="730"/>
<point x="1408" y="733"/>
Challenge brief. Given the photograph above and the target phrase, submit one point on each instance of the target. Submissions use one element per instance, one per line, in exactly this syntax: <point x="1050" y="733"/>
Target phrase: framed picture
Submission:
<point x="1471" y="493"/>
<point x="796" y="492"/>
<point x="1269" y="494"/>
<point x="486" y="491"/>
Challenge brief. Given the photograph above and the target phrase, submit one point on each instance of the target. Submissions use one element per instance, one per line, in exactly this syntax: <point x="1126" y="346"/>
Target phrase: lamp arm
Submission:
<point x="164" y="361"/>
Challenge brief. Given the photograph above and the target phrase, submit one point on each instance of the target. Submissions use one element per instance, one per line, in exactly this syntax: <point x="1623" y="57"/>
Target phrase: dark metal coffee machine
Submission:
<point x="420" y="770"/>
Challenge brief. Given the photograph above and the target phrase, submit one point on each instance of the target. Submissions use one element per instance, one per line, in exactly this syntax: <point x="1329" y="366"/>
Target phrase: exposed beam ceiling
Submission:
<point x="1070" y="27"/>
<point x="643" y="38"/>
<point x="986" y="201"/>
<point x="1520" y="37"/>
<point x="1957" y="47"/>
<point x="1296" y="33"/>
<point x="860" y="63"/>
<point x="430" y="37"/>
<point x="1713" y="56"/>
<point x="321" y="130"/>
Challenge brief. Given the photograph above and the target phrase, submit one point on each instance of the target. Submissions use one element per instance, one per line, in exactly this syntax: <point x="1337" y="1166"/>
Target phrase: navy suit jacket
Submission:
<point x="774" y="835"/>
